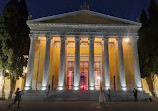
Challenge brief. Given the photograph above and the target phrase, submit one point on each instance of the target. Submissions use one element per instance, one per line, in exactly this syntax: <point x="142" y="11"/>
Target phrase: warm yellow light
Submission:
<point x="127" y="40"/>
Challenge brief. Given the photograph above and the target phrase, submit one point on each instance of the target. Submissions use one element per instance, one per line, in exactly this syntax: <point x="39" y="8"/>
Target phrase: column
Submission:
<point x="106" y="70"/>
<point x="46" y="62"/>
<point x="91" y="64"/>
<point x="77" y="63"/>
<point x="62" y="64"/>
<point x="30" y="64"/>
<point x="137" y="76"/>
<point x="121" y="64"/>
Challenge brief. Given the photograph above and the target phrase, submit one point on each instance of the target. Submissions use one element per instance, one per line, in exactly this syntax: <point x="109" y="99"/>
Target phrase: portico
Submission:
<point x="83" y="50"/>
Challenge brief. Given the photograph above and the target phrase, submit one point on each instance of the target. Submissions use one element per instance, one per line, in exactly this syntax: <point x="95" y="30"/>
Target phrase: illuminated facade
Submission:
<point x="83" y="50"/>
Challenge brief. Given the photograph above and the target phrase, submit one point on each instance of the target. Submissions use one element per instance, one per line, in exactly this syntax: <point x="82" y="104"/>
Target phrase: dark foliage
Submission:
<point x="147" y="44"/>
<point x="14" y="40"/>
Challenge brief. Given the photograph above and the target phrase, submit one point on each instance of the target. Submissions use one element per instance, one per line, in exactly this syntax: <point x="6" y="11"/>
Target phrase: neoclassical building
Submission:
<point x="83" y="50"/>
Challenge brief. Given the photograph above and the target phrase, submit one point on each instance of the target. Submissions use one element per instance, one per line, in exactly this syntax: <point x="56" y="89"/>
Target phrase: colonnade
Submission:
<point x="106" y="67"/>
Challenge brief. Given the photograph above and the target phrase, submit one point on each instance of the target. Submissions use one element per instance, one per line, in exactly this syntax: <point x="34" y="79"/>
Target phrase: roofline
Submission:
<point x="91" y="26"/>
<point x="87" y="11"/>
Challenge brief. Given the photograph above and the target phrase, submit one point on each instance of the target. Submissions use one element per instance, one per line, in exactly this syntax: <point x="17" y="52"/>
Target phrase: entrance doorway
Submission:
<point x="70" y="75"/>
<point x="83" y="75"/>
<point x="97" y="67"/>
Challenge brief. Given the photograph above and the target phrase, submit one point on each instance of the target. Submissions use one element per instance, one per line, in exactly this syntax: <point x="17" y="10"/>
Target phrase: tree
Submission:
<point x="14" y="40"/>
<point x="147" y="44"/>
<point x="143" y="48"/>
<point x="3" y="58"/>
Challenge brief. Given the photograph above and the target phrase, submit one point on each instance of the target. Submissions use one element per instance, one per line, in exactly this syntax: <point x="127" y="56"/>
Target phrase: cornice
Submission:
<point x="90" y="26"/>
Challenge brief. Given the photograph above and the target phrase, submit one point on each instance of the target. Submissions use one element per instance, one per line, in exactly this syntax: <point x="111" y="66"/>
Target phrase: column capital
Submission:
<point x="49" y="38"/>
<point x="38" y="42"/>
<point x="48" y="35"/>
<point x="119" y="39"/>
<point x="77" y="37"/>
<point x="62" y="37"/>
<point x="135" y="38"/>
<point x="33" y="36"/>
<point x="91" y="38"/>
<point x="105" y="38"/>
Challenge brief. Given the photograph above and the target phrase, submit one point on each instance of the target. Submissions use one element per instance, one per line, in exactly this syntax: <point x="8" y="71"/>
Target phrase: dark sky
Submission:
<point x="128" y="9"/>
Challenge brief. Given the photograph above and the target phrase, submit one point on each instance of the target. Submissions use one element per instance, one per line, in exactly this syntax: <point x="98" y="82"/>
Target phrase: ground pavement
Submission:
<point x="81" y="106"/>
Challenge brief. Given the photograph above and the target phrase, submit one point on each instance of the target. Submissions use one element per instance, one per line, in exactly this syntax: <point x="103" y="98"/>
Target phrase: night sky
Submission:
<point x="127" y="9"/>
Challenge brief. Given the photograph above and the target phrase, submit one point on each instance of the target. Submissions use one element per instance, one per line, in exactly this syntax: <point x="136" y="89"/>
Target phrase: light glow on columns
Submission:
<point x="27" y="88"/>
<point x="127" y="40"/>
<point x="60" y="88"/>
<point x="124" y="88"/>
<point x="107" y="87"/>
<point x="91" y="88"/>
<point x="76" y="88"/>
<point x="44" y="88"/>
<point x="139" y="85"/>
<point x="140" y="89"/>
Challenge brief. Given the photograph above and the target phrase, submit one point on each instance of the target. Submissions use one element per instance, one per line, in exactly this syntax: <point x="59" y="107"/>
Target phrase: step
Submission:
<point x="81" y="95"/>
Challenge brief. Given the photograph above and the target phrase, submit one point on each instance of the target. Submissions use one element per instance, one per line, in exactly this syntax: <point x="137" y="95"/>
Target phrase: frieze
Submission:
<point x="107" y="33"/>
<point x="84" y="30"/>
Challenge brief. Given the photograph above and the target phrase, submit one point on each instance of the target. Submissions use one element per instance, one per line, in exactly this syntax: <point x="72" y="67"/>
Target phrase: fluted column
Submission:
<point x="91" y="64"/>
<point x="62" y="64"/>
<point x="106" y="69"/>
<point x="137" y="76"/>
<point x="77" y="63"/>
<point x="30" y="64"/>
<point x="121" y="64"/>
<point x="46" y="62"/>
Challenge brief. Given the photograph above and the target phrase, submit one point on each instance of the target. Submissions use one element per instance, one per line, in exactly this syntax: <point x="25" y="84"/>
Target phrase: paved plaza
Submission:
<point x="81" y="106"/>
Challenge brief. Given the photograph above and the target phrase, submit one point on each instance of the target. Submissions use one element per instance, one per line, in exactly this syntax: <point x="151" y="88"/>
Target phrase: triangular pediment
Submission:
<point x="84" y="17"/>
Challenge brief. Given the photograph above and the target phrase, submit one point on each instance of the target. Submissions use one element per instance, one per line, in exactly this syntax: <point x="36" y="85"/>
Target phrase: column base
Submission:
<point x="44" y="88"/>
<point x="60" y="88"/>
<point x="107" y="87"/>
<point x="124" y="88"/>
<point x="92" y="87"/>
<point x="139" y="88"/>
<point x="27" y="88"/>
<point x="76" y="88"/>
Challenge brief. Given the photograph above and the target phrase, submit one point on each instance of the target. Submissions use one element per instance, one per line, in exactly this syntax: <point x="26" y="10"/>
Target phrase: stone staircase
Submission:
<point x="81" y="95"/>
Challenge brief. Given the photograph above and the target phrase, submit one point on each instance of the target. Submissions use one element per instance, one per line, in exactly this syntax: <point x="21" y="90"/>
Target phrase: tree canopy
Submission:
<point x="14" y="37"/>
<point x="147" y="44"/>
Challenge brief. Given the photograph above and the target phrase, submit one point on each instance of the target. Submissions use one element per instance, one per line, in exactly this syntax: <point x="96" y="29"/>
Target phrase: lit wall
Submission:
<point x="38" y="65"/>
<point x="129" y="66"/>
<point x="150" y="85"/>
<point x="114" y="66"/>
<point x="54" y="65"/>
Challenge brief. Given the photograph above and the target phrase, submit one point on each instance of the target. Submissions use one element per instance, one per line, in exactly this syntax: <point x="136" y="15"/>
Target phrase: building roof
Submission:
<point x="84" y="17"/>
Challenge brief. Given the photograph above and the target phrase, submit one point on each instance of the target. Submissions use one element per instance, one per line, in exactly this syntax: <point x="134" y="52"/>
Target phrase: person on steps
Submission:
<point x="102" y="96"/>
<point x="135" y="92"/>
